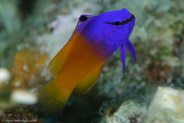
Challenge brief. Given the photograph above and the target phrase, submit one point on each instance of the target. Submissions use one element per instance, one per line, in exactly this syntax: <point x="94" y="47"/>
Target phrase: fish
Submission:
<point x="78" y="65"/>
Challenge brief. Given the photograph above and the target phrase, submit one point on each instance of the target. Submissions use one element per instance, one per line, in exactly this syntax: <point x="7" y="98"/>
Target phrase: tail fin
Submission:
<point x="53" y="96"/>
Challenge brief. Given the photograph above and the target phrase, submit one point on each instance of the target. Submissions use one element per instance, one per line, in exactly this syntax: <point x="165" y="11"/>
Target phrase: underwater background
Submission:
<point x="152" y="90"/>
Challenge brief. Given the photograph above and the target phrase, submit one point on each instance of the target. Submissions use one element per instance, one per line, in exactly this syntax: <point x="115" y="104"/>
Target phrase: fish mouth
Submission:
<point x="117" y="23"/>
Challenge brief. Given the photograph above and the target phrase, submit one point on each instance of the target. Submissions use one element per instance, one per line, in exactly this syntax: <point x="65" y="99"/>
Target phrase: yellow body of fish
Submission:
<point x="77" y="67"/>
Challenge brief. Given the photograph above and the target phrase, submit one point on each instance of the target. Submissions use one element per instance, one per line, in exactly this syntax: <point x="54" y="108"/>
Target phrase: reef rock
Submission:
<point x="167" y="106"/>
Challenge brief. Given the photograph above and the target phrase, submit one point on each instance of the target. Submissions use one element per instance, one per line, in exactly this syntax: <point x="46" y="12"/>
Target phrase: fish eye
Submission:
<point x="83" y="18"/>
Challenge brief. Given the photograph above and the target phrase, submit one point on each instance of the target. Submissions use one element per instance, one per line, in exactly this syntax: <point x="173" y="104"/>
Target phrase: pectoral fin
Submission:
<point x="123" y="55"/>
<point x="127" y="44"/>
<point x="131" y="49"/>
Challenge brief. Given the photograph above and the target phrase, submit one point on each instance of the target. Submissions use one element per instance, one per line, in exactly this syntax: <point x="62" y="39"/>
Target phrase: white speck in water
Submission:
<point x="17" y="84"/>
<point x="25" y="68"/>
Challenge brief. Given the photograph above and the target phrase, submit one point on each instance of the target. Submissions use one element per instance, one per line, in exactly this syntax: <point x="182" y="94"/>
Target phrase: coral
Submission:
<point x="27" y="67"/>
<point x="167" y="106"/>
<point x="18" y="115"/>
<point x="127" y="112"/>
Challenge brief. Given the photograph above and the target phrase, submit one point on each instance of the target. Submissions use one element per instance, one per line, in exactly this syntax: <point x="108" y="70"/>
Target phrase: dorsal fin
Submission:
<point x="58" y="61"/>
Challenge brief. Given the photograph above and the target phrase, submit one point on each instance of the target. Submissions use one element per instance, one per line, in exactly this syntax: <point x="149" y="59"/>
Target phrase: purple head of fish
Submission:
<point x="117" y="26"/>
<point x="116" y="29"/>
<point x="111" y="30"/>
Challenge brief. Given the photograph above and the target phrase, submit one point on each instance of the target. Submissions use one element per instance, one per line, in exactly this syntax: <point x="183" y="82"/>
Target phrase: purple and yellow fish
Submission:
<point x="78" y="65"/>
